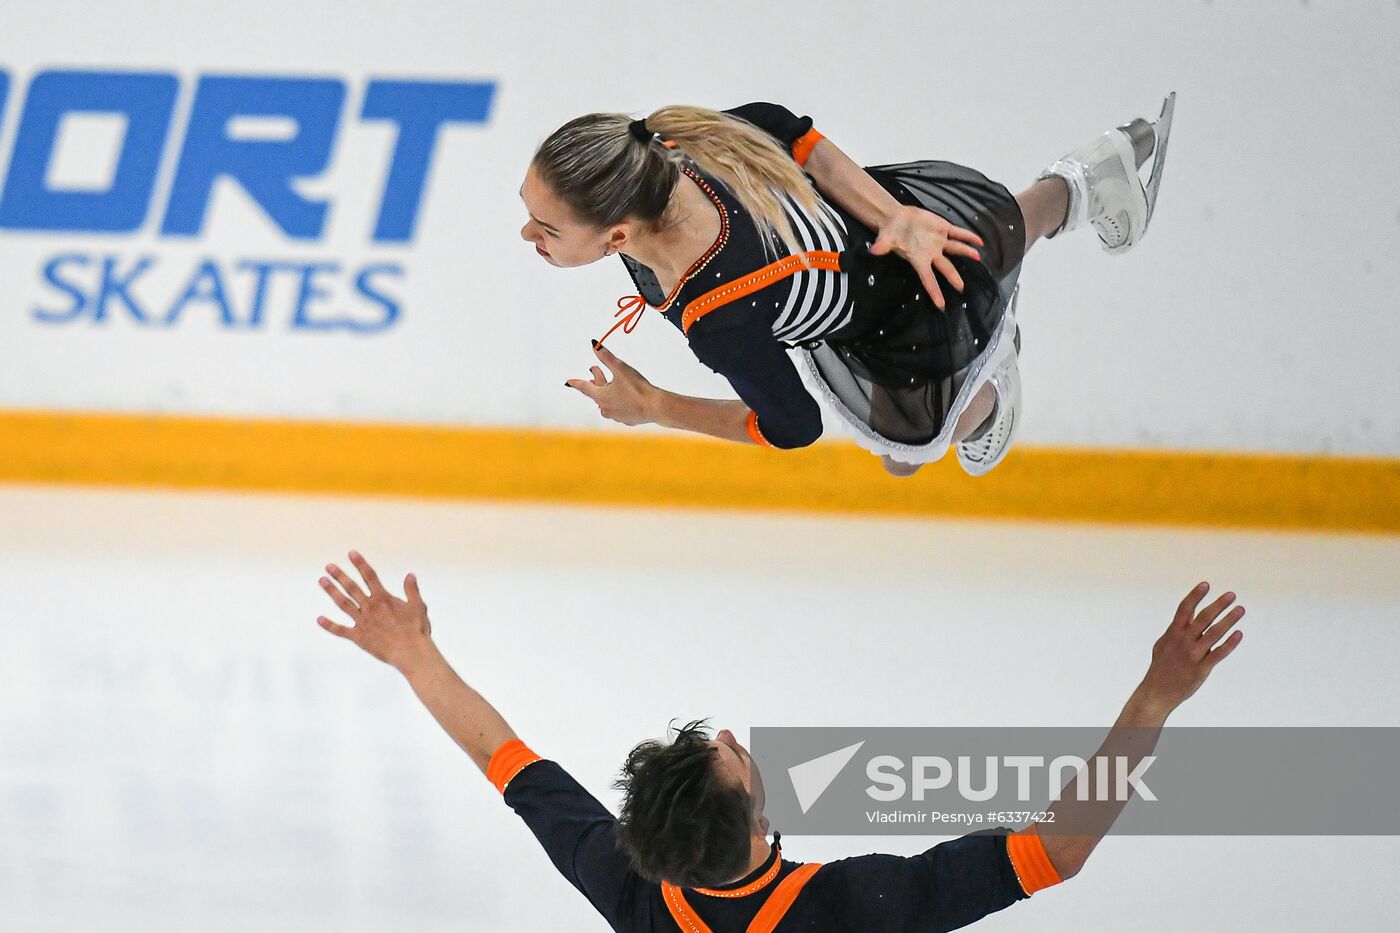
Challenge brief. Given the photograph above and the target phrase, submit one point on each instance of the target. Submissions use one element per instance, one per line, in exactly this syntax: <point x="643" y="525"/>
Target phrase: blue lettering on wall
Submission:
<point x="146" y="100"/>
<point x="316" y="296"/>
<point x="261" y="271"/>
<point x="365" y="284"/>
<point x="52" y="274"/>
<point x="310" y="291"/>
<point x="206" y="286"/>
<point x="419" y="108"/>
<point x="264" y="167"/>
<point x="266" y="135"/>
<point x="117" y="285"/>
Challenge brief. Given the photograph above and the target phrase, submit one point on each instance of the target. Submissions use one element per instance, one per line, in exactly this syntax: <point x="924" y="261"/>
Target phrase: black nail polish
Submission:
<point x="596" y="345"/>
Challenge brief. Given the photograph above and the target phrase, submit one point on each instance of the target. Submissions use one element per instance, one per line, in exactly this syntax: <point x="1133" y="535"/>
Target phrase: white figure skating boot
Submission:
<point x="1105" y="185"/>
<point x="988" y="445"/>
<point x="980" y="452"/>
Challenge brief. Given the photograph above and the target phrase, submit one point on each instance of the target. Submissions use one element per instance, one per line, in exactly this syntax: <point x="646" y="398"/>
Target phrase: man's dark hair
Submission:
<point x="681" y="821"/>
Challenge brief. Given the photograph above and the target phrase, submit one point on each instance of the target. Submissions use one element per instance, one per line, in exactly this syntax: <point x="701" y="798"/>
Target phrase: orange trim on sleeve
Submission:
<point x="773" y="272"/>
<point x="508" y="761"/>
<point x="802" y="146"/>
<point x="755" y="434"/>
<point x="1029" y="859"/>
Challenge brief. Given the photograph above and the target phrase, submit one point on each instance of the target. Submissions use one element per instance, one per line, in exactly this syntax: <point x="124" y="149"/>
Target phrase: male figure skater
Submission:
<point x="690" y="851"/>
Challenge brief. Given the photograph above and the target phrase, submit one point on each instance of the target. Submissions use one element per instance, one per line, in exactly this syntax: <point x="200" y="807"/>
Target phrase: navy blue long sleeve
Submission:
<point x="739" y="345"/>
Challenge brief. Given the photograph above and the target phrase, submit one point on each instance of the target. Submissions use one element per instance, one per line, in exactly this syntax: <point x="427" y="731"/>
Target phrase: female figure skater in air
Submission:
<point x="754" y="234"/>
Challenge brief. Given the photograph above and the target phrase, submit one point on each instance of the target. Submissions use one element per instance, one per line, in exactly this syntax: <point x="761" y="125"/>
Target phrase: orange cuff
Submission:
<point x="755" y="434"/>
<point x="1032" y="864"/>
<point x="803" y="145"/>
<point x="508" y="761"/>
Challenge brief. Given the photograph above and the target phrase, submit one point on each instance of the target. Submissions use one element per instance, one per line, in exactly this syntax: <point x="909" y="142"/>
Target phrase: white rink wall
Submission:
<point x="1258" y="315"/>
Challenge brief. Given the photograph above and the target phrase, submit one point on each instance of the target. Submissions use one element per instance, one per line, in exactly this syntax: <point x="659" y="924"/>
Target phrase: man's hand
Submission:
<point x="926" y="241"/>
<point x="394" y="630"/>
<point x="629" y="398"/>
<point x="1190" y="649"/>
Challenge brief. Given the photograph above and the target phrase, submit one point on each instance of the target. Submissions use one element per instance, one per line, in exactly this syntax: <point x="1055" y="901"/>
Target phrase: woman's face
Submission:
<point x="560" y="237"/>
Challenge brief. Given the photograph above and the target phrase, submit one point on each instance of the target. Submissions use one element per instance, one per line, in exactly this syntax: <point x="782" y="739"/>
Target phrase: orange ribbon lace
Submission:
<point x="630" y="309"/>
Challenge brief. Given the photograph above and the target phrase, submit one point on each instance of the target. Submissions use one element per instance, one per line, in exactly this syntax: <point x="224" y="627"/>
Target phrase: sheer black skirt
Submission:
<point x="902" y="370"/>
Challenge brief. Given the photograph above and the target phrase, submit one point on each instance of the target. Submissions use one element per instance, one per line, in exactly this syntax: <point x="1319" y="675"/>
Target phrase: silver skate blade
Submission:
<point x="1163" y="129"/>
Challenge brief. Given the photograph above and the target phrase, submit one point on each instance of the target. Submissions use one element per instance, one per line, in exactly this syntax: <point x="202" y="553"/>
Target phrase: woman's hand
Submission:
<point x="926" y="241"/>
<point x="628" y="398"/>
<point x="394" y="630"/>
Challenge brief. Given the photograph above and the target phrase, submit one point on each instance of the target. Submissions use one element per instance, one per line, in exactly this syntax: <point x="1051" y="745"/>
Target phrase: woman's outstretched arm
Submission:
<point x="774" y="409"/>
<point x="629" y="398"/>
<point x="921" y="237"/>
<point x="397" y="632"/>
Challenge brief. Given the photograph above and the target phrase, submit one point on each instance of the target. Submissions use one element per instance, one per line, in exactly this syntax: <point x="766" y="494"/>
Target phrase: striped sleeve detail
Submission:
<point x="508" y="761"/>
<point x="755" y="434"/>
<point x="1030" y="861"/>
<point x="803" y="145"/>
<point x="818" y="301"/>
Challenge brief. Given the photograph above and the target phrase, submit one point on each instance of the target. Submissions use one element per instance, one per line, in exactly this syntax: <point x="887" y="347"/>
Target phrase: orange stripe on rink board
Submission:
<point x="670" y="469"/>
<point x="1029" y="859"/>
<point x="802" y="146"/>
<point x="773" y="272"/>
<point x="508" y="761"/>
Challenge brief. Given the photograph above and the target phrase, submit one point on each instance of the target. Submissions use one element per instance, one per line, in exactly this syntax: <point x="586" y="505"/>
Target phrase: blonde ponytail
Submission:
<point x="744" y="157"/>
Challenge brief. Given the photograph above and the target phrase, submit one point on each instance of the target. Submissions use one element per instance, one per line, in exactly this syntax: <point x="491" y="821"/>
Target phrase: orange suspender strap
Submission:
<point x="685" y="916"/>
<point x="508" y="761"/>
<point x="1030" y="861"/>
<point x="778" y="903"/>
<point x="768" y="916"/>
<point x="773" y="272"/>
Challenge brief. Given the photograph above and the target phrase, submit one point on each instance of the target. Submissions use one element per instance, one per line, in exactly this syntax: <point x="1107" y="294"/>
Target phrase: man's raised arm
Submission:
<point x="1182" y="659"/>
<point x="575" y="830"/>
<point x="397" y="632"/>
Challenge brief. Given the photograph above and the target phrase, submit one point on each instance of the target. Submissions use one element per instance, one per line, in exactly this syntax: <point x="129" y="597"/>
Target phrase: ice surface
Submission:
<point x="182" y="748"/>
